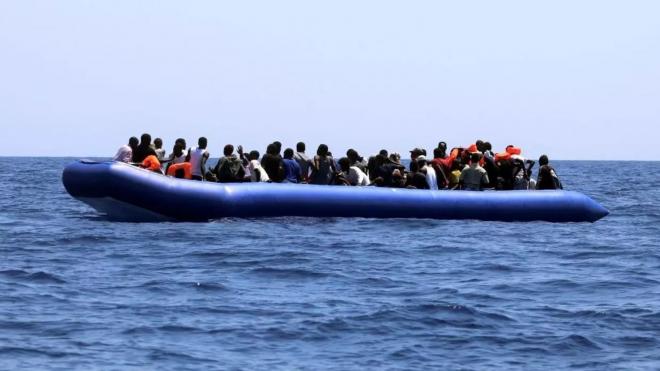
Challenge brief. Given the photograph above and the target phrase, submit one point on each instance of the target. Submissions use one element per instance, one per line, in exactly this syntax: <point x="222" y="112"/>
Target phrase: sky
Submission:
<point x="573" y="79"/>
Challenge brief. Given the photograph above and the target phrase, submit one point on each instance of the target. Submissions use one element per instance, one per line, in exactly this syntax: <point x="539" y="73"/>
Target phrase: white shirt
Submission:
<point x="124" y="154"/>
<point x="160" y="153"/>
<point x="196" y="156"/>
<point x="431" y="178"/>
<point x="357" y="177"/>
<point x="255" y="165"/>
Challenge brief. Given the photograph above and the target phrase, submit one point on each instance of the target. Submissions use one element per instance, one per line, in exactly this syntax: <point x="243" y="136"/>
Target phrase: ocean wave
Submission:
<point x="35" y="277"/>
<point x="288" y="273"/>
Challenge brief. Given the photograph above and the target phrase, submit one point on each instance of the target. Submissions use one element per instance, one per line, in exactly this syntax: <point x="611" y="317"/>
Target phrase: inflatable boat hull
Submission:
<point x="126" y="193"/>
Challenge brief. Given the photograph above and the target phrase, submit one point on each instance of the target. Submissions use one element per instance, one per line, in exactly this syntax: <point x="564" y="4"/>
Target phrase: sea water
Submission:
<point x="80" y="292"/>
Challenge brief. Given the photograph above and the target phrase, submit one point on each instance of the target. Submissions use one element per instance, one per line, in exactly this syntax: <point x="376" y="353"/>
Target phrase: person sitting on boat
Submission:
<point x="414" y="153"/>
<point x="522" y="171"/>
<point x="257" y="173"/>
<point x="398" y="179"/>
<point x="292" y="171"/>
<point x="474" y="177"/>
<point x="352" y="173"/>
<point x="158" y="147"/>
<point x="388" y="170"/>
<point x="179" y="152"/>
<point x="323" y="167"/>
<point x="143" y="149"/>
<point x="547" y="178"/>
<point x="229" y="168"/>
<point x="271" y="162"/>
<point x="303" y="161"/>
<point x="416" y="179"/>
<point x="197" y="158"/>
<point x="125" y="152"/>
<point x="428" y="171"/>
<point x="356" y="160"/>
<point x="151" y="163"/>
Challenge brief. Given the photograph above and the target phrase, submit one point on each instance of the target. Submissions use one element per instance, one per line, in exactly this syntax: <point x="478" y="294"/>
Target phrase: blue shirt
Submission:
<point x="291" y="170"/>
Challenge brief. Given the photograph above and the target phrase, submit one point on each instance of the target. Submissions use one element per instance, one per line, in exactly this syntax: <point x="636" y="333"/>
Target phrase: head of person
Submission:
<point x="178" y="149"/>
<point x="145" y="140"/>
<point x="278" y="147"/>
<point x="456" y="164"/>
<point x="438" y="153"/>
<point x="352" y="155"/>
<point x="379" y="160"/>
<point x="322" y="150"/>
<point x="181" y="141"/>
<point x="414" y="167"/>
<point x="254" y="155"/>
<point x="480" y="145"/>
<point x="344" y="164"/>
<point x="416" y="152"/>
<point x="300" y="147"/>
<point x="133" y="142"/>
<point x="228" y="150"/>
<point x="442" y="146"/>
<point x="397" y="177"/>
<point x="158" y="143"/>
<point x="488" y="146"/>
<point x="475" y="157"/>
<point x="271" y="149"/>
<point x="288" y="153"/>
<point x="383" y="152"/>
<point x="420" y="161"/>
<point x="202" y="142"/>
<point x="543" y="160"/>
<point x="395" y="157"/>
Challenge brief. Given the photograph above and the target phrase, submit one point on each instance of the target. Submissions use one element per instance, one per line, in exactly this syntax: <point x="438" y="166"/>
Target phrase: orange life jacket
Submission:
<point x="151" y="163"/>
<point x="502" y="156"/>
<point x="472" y="148"/>
<point x="513" y="150"/>
<point x="185" y="166"/>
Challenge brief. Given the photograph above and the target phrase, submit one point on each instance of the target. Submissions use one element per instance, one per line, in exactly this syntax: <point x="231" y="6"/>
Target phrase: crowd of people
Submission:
<point x="472" y="168"/>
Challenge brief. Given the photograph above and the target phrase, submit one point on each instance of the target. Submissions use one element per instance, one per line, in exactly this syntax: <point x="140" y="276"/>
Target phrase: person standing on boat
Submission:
<point x="292" y="172"/>
<point x="197" y="158"/>
<point x="323" y="167"/>
<point x="143" y="149"/>
<point x="125" y="152"/>
<point x="474" y="177"/>
<point x="303" y="161"/>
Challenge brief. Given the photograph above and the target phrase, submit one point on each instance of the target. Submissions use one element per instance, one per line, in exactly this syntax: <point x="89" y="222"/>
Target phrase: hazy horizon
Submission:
<point x="578" y="81"/>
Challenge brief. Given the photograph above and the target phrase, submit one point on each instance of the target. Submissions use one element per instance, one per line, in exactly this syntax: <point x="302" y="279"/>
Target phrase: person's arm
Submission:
<point x="332" y="164"/>
<point x="202" y="163"/>
<point x="315" y="164"/>
<point x="242" y="156"/>
<point x="440" y="175"/>
<point x="484" y="180"/>
<point x="298" y="171"/>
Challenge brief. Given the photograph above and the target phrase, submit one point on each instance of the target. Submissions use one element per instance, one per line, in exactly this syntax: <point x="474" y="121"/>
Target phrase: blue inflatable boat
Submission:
<point x="127" y="193"/>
